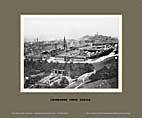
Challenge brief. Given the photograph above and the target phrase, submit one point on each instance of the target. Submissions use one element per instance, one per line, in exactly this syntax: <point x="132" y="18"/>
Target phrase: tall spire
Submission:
<point x="37" y="39"/>
<point x="65" y="44"/>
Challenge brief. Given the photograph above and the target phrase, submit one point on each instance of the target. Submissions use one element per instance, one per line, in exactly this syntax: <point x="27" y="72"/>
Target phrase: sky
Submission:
<point x="52" y="27"/>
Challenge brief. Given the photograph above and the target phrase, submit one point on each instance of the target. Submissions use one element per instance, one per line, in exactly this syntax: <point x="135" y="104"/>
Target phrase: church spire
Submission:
<point x="65" y="44"/>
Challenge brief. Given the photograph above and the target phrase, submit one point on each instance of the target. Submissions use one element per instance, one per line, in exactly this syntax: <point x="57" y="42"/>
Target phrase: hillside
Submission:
<point x="99" y="39"/>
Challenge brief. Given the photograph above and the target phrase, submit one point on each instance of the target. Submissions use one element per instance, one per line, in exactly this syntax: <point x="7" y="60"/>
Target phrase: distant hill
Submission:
<point x="99" y="39"/>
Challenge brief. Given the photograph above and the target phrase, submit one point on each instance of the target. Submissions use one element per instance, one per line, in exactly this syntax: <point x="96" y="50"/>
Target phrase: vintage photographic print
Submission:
<point x="71" y="53"/>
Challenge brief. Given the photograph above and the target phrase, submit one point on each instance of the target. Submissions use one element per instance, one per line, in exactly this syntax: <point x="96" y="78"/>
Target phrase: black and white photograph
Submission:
<point x="71" y="53"/>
